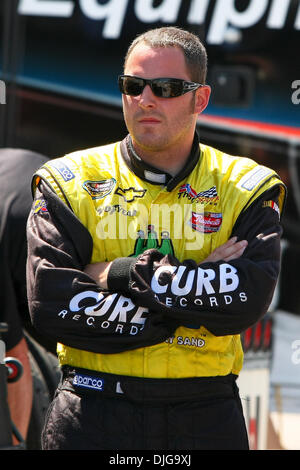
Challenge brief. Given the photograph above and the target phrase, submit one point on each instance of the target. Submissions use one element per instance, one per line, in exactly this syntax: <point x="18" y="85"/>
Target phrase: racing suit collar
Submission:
<point x="153" y="175"/>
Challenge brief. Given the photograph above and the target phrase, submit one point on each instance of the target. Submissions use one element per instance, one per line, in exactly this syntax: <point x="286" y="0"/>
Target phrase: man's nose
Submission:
<point x="147" y="98"/>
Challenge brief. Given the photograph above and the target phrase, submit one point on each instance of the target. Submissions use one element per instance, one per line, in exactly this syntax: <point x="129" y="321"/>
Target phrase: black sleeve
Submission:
<point x="225" y="297"/>
<point x="65" y="304"/>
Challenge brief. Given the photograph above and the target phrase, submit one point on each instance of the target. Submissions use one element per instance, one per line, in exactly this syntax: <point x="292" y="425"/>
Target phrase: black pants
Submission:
<point x="132" y="415"/>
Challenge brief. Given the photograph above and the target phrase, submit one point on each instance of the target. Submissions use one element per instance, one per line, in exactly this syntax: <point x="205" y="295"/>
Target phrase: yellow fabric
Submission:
<point x="123" y="205"/>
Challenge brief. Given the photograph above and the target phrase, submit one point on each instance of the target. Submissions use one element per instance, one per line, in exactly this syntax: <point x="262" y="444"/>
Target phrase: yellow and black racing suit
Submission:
<point x="167" y="315"/>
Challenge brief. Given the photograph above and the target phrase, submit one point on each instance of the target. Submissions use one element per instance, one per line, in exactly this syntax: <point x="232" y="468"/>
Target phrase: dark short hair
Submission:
<point x="172" y="36"/>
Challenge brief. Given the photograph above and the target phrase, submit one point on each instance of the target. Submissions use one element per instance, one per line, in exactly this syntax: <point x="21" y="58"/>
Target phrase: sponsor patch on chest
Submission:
<point x="99" y="189"/>
<point x="206" y="222"/>
<point x="209" y="196"/>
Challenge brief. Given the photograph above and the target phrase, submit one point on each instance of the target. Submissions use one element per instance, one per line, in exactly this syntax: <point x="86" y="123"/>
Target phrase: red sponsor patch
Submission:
<point x="206" y="222"/>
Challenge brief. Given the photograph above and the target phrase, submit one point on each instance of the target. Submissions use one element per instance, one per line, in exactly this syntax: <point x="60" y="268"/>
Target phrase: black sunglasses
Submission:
<point x="161" y="87"/>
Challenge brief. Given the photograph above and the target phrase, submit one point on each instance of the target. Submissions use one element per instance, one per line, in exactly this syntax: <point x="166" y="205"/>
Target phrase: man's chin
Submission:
<point x="150" y="142"/>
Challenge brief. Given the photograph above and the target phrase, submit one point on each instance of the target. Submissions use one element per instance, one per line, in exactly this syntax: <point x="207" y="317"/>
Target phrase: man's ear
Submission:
<point x="202" y="98"/>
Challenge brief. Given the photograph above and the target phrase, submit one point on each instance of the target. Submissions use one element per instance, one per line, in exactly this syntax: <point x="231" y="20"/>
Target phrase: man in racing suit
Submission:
<point x="147" y="259"/>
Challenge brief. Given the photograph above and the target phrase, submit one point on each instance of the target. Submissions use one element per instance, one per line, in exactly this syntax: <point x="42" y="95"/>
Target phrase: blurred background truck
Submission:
<point x="59" y="62"/>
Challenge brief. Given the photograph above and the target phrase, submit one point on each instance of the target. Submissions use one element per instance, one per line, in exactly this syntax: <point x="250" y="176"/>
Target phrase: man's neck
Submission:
<point x="154" y="175"/>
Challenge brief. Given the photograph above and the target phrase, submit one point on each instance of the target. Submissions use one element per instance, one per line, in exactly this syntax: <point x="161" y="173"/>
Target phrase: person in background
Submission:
<point x="16" y="168"/>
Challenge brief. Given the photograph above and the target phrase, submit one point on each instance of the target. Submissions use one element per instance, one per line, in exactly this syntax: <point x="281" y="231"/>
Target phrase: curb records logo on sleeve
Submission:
<point x="206" y="222"/>
<point x="99" y="189"/>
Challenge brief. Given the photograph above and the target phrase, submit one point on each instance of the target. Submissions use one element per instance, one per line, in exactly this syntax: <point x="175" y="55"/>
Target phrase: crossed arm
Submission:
<point x="230" y="250"/>
<point x="81" y="305"/>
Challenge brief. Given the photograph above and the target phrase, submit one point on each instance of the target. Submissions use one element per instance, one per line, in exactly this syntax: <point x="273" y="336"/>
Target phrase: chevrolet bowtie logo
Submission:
<point x="129" y="194"/>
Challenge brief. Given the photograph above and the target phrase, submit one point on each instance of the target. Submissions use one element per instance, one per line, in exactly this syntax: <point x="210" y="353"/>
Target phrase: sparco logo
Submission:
<point x="86" y="381"/>
<point x="224" y="16"/>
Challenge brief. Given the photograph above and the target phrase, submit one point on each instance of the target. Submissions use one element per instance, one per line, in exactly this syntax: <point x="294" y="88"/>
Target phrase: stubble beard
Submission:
<point x="155" y="142"/>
